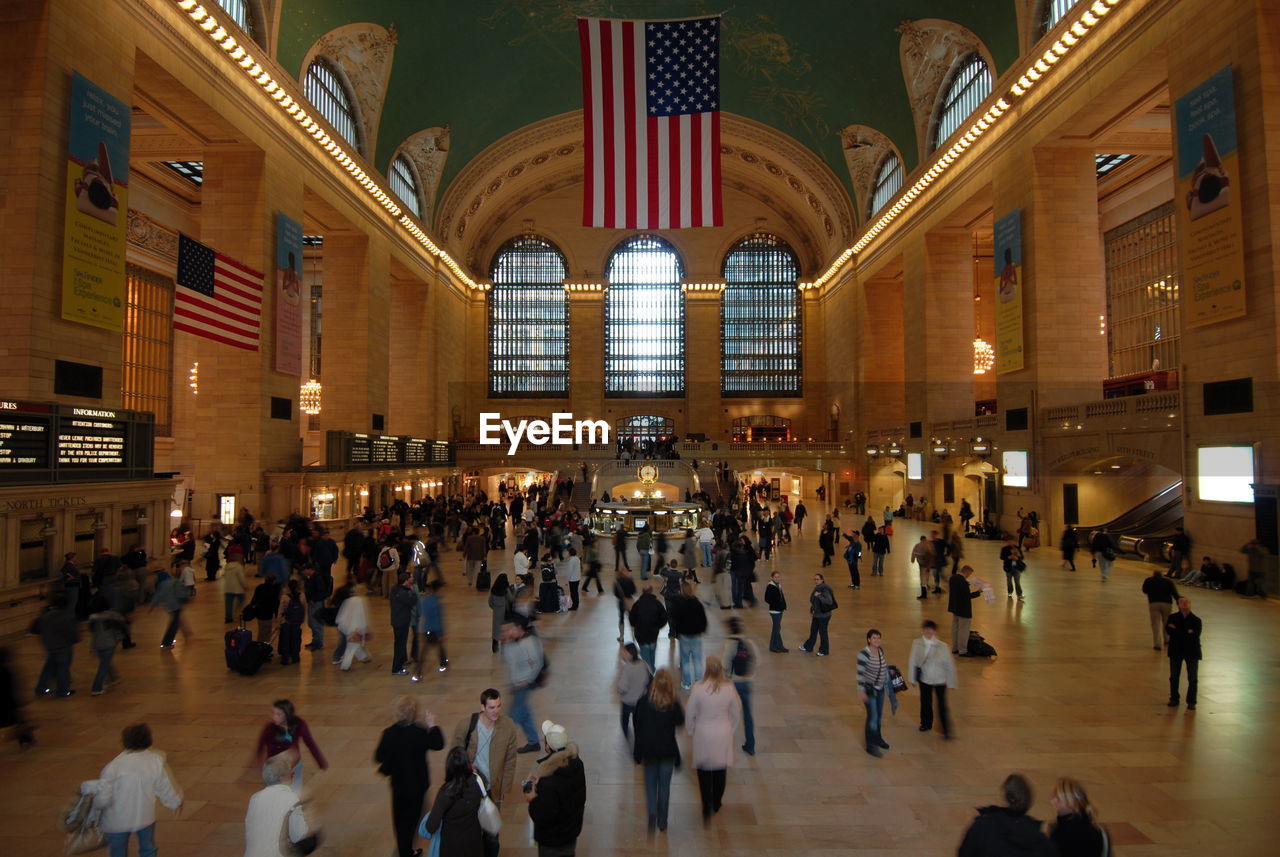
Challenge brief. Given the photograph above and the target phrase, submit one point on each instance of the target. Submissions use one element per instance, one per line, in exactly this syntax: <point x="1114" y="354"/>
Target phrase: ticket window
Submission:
<point x="227" y="510"/>
<point x="86" y="539"/>
<point x="130" y="532"/>
<point x="34" y="547"/>
<point x="324" y="505"/>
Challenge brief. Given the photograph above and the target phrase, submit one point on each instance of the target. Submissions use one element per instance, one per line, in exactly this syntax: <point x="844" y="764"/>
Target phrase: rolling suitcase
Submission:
<point x="237" y="641"/>
<point x="483" y="581"/>
<point x="255" y="655"/>
<point x="549" y="597"/>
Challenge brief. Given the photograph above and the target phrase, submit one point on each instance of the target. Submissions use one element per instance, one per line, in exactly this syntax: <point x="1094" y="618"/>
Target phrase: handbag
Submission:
<point x="898" y="683"/>
<point x="80" y="820"/>
<point x="433" y="849"/>
<point x="303" y="846"/>
<point x="490" y="818"/>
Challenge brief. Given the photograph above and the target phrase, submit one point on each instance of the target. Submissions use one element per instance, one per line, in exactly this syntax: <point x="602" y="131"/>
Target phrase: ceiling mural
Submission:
<point x="485" y="68"/>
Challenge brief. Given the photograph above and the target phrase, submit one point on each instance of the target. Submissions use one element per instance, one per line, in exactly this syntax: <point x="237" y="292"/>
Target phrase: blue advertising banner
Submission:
<point x="288" y="296"/>
<point x="1009" y="287"/>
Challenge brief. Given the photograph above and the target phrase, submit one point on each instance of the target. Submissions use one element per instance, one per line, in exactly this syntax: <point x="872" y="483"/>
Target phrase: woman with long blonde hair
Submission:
<point x="658" y="714"/>
<point x="712" y="720"/>
<point x="1075" y="831"/>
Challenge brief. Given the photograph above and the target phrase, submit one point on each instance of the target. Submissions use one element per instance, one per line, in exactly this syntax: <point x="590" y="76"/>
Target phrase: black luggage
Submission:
<point x="237" y="641"/>
<point x="979" y="647"/>
<point x="548" y="574"/>
<point x="549" y="597"/>
<point x="483" y="581"/>
<point x="255" y="655"/>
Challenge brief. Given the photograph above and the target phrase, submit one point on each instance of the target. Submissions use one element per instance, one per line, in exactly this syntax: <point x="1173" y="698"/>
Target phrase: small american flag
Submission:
<point x="217" y="297"/>
<point x="651" y="98"/>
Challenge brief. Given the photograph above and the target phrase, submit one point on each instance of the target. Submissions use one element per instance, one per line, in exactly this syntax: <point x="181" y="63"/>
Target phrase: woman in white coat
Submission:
<point x="712" y="717"/>
<point x="265" y="821"/>
<point x="127" y="792"/>
<point x="353" y="622"/>
<point x="933" y="670"/>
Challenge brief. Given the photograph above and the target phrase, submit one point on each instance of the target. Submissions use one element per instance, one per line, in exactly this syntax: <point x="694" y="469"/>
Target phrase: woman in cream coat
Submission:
<point x="937" y="672"/>
<point x="712" y="716"/>
<point x="269" y="808"/>
<point x="127" y="792"/>
<point x="353" y="622"/>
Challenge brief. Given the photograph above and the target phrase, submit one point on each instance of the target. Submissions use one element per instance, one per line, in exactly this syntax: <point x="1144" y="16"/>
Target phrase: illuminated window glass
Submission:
<point x="327" y="94"/>
<point x="644" y="427"/>
<point x="404" y="184"/>
<point x="147" y="346"/>
<point x="644" y="320"/>
<point x="1144" y="314"/>
<point x="760" y="319"/>
<point x="239" y="12"/>
<point x="970" y="84"/>
<point x="888" y="182"/>
<point x="1055" y="11"/>
<point x="528" y="321"/>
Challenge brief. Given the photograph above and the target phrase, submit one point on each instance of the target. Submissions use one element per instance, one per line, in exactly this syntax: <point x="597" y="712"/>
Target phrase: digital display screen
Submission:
<point x="915" y="468"/>
<point x="1016" y="472"/>
<point x="1226" y="473"/>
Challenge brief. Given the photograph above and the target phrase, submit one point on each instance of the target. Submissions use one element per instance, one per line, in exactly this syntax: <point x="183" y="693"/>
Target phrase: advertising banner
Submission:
<point x="1208" y="203"/>
<point x="1009" y="286"/>
<point x="288" y="296"/>
<point x="97" y="207"/>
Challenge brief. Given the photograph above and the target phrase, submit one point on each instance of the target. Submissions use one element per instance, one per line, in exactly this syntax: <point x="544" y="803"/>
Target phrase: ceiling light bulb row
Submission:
<point x="702" y="287"/>
<point x="584" y="287"/>
<point x="294" y="109"/>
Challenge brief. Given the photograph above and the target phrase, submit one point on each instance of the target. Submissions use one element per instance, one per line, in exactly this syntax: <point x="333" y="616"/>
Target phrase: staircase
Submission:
<point x="581" y="497"/>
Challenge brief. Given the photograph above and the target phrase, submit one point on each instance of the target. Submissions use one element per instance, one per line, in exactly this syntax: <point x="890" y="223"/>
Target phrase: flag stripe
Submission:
<point x="217" y="297"/>
<point x="589" y="140"/>
<point x="626" y="65"/>
<point x="695" y="171"/>
<point x="717" y="202"/>
<point x="197" y="319"/>
<point x="245" y="315"/>
<point x="200" y="331"/>
<point x="675" y="178"/>
<point x="639" y="131"/>
<point x="608" y="214"/>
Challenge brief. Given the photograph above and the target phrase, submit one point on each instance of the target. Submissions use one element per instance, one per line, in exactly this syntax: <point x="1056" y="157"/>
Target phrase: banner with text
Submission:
<point x="288" y="296"/>
<point x="1009" y="284"/>
<point x="97" y="205"/>
<point x="1212" y="282"/>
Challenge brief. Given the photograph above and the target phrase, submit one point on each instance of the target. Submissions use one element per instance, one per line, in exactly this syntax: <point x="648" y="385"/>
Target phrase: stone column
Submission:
<point x="586" y="356"/>
<point x="701" y="364"/>
<point x="357" y="332"/>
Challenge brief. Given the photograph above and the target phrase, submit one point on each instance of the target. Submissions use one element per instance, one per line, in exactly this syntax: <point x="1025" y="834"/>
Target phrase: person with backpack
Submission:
<point x="491" y="741"/>
<point x="821" y="602"/>
<point x="688" y="623"/>
<point x="127" y="790"/>
<point x="263" y="606"/>
<point x="293" y="612"/>
<point x="658" y="714"/>
<point x="1104" y="553"/>
<point x="401" y="756"/>
<point x="386" y="567"/>
<point x="740" y="659"/>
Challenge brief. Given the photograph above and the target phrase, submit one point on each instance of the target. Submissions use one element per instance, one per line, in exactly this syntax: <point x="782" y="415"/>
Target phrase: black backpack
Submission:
<point x="742" y="662"/>
<point x="979" y="647"/>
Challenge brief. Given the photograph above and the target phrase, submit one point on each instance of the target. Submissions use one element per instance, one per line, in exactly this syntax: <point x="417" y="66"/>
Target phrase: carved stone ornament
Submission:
<point x="364" y="53"/>
<point x="929" y="49"/>
<point x="428" y="150"/>
<point x="151" y="236"/>
<point x="864" y="148"/>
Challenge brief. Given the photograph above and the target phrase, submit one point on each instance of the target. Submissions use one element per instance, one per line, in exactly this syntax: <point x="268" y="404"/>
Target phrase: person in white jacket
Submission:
<point x="933" y="670"/>
<point x="353" y="622"/>
<point x="264" y="823"/>
<point x="127" y="790"/>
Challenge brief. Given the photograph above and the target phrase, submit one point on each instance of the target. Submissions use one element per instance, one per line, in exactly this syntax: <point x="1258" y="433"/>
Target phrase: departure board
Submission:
<point x="46" y="443"/>
<point x="359" y="451"/>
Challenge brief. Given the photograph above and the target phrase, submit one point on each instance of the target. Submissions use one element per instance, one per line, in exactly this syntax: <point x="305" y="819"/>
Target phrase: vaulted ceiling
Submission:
<point x="486" y="68"/>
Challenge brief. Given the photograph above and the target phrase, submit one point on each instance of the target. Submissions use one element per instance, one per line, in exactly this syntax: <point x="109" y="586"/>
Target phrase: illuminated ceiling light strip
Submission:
<point x="255" y="72"/>
<point x="1035" y="72"/>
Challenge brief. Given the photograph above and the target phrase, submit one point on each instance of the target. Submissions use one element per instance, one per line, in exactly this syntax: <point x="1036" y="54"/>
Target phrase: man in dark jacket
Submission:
<point x="104" y="568"/>
<point x="557" y="794"/>
<point x="67" y="583"/>
<point x="821" y="602"/>
<point x="1161" y="593"/>
<point x="1184" y="629"/>
<point x="960" y="606"/>
<point x="403" y="600"/>
<point x="880" y="547"/>
<point x="777" y="601"/>
<point x="742" y="571"/>
<point x="402" y="756"/>
<point x="648" y="617"/>
<point x="1007" y="830"/>
<point x="56" y="628"/>
<point x="940" y="551"/>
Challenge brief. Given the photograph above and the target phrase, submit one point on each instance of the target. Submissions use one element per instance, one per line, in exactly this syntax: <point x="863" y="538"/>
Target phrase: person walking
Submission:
<point x="880" y="548"/>
<point x="170" y="597"/>
<point x="524" y="660"/>
<point x="233" y="584"/>
<point x="403" y="602"/>
<point x="633" y="681"/>
<point x="712" y="719"/>
<point x="293" y="611"/>
<point x="275" y="815"/>
<point x="624" y="590"/>
<point x="644" y="546"/>
<point x="853" y="553"/>
<point x="1014" y="565"/>
<point x="801" y="513"/>
<point x="572" y="567"/>
<point x="1185" y="630"/>
<point x="1179" y="552"/>
<point x="557" y="794"/>
<point x="475" y="548"/>
<point x="873" y="686"/>
<point x="1075" y="831"/>
<point x="401" y="756"/>
<point x="454" y="816"/>
<point x="56" y="628"/>
<point x="1001" y="830"/>
<point x="620" y="551"/>
<point x="657" y="716"/>
<point x="1104" y="553"/>
<point x="282" y="737"/>
<point x="960" y="606"/>
<point x="776" y="599"/>
<point x="127" y="790"/>
<point x="821" y="602"/>
<point x="648" y="617"/>
<point x="706" y="540"/>
<point x="316" y="588"/>
<point x="353" y="625"/>
<point x="688" y="619"/>
<point x="1068" y="544"/>
<point x="490" y="740"/>
<point x="922" y="556"/>
<point x="264" y="605"/>
<point x="827" y="541"/>
<point x="500" y="608"/>
<point x="430" y="629"/>
<point x="740" y="657"/>
<point x="742" y="567"/>
<point x="1161" y="594"/>
<point x="932" y="670"/>
<point x="106" y="629"/>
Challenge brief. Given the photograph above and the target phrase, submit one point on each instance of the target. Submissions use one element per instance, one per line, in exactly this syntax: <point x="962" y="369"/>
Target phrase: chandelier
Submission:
<point x="984" y="356"/>
<point x="309" y="397"/>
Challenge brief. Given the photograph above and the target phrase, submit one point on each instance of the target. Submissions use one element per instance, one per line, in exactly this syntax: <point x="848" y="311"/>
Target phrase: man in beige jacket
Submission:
<point x="491" y="741"/>
<point x="233" y="584"/>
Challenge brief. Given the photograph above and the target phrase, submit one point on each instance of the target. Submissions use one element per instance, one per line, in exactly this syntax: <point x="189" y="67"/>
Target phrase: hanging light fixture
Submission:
<point x="984" y="356"/>
<point x="309" y="397"/>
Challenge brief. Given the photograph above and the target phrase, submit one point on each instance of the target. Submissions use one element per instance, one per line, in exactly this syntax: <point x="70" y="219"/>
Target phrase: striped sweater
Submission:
<point x="873" y="668"/>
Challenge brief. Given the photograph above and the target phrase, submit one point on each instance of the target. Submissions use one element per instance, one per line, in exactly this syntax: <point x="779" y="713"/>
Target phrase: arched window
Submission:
<point x="329" y="96"/>
<point x="644" y="427"/>
<point x="528" y="321"/>
<point x="644" y="320"/>
<point x="1054" y="11"/>
<point x="887" y="183"/>
<point x="240" y="13"/>
<point x="760" y="319"/>
<point x="969" y="85"/>
<point x="404" y="184"/>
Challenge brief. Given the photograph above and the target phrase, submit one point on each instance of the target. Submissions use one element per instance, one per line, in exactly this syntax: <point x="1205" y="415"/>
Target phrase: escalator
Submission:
<point x="1145" y="529"/>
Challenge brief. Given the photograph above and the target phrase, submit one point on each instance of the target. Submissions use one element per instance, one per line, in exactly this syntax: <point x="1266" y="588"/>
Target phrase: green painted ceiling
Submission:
<point x="489" y="67"/>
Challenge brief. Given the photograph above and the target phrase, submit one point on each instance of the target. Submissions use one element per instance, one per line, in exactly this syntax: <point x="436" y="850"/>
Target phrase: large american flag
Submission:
<point x="217" y="297"/>
<point x="651" y="95"/>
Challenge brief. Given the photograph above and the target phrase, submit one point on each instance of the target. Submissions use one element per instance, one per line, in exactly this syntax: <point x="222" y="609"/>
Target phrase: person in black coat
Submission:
<point x="648" y="617"/>
<point x="402" y="756"/>
<point x="1185" y="629"/>
<point x="1007" y="831"/>
<point x="960" y="606"/>
<point x="658" y="715"/>
<point x="454" y="815"/>
<point x="557" y="794"/>
<point x="777" y="601"/>
<point x="1075" y="832"/>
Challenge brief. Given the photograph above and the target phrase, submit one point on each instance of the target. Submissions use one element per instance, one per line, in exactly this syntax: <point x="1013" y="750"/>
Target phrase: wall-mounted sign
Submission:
<point x="43" y="442"/>
<point x="361" y="451"/>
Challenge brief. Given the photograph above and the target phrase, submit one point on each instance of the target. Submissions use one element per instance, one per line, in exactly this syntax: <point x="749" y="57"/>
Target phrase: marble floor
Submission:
<point x="1076" y="690"/>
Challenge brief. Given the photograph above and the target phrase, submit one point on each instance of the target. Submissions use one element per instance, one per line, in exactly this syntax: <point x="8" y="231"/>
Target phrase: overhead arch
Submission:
<point x="362" y="54"/>
<point x="929" y="50"/>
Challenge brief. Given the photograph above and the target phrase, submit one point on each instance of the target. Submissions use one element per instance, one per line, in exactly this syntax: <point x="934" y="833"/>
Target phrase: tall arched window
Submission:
<point x="887" y="183"/>
<point x="760" y="319"/>
<point x="528" y="321"/>
<point x="644" y="320"/>
<point x="326" y="92"/>
<point x="1053" y="12"/>
<point x="970" y="84"/>
<point x="404" y="184"/>
<point x="240" y="13"/>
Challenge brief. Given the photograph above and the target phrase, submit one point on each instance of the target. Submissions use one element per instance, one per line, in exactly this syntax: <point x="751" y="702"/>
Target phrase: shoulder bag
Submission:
<point x="304" y="846"/>
<point x="490" y="818"/>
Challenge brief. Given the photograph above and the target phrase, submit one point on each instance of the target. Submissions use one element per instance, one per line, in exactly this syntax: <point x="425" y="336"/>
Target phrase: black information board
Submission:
<point x="45" y="443"/>
<point x="358" y="451"/>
